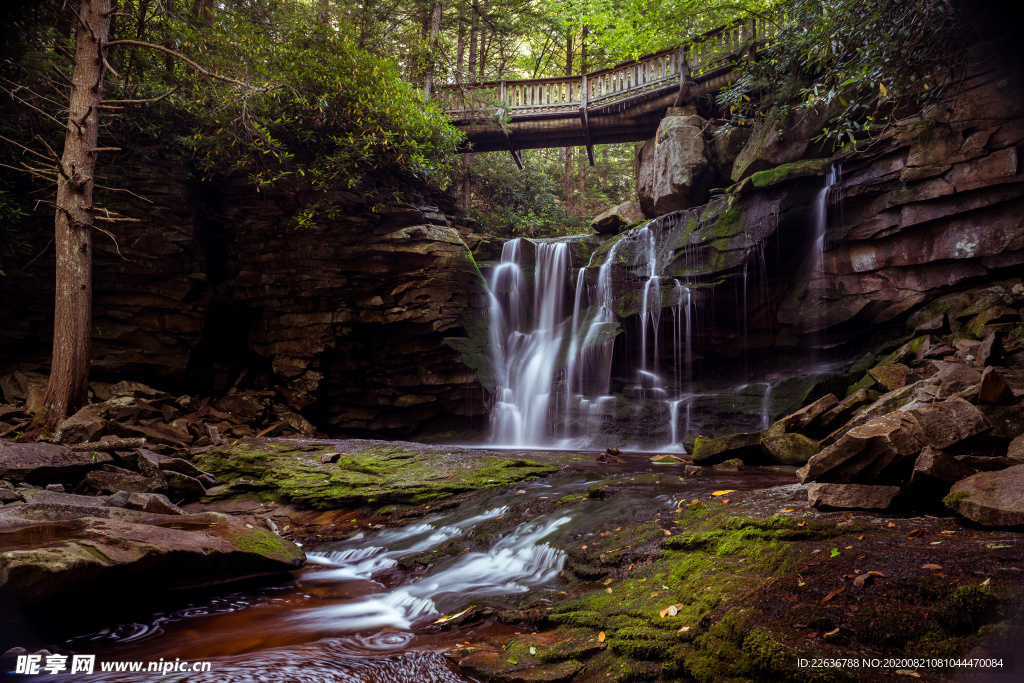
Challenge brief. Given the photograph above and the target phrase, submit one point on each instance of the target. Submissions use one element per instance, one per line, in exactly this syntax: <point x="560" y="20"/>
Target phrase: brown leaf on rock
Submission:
<point x="791" y="598"/>
<point x="935" y="567"/>
<point x="915" y="533"/>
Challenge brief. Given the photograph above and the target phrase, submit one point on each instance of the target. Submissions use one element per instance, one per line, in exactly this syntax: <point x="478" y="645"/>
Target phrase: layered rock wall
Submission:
<point x="214" y="288"/>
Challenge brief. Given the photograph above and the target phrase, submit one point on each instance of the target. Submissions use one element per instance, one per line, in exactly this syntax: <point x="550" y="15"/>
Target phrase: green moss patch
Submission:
<point x="367" y="472"/>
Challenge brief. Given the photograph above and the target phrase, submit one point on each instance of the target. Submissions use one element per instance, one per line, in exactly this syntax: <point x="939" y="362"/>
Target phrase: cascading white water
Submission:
<point x="516" y="562"/>
<point x="525" y="354"/>
<point x="817" y="278"/>
<point x="651" y="304"/>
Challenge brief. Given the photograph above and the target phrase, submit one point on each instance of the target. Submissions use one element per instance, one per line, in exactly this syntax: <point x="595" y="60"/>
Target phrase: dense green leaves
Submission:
<point x="863" y="60"/>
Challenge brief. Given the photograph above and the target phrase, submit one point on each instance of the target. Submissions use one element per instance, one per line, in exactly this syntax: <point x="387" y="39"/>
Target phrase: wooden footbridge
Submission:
<point x="622" y="104"/>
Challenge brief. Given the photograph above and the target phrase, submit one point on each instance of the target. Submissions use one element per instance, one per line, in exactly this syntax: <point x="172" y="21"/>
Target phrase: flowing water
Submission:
<point x="365" y="609"/>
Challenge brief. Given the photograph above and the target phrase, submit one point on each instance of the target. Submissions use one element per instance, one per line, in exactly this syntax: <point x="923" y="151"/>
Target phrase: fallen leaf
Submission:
<point x="454" y="616"/>
<point x="892" y="525"/>
<point x="725" y="501"/>
<point x="835" y="552"/>
<point x="684" y="629"/>
<point x="533" y="650"/>
<point x="608" y="581"/>
<point x="861" y="580"/>
<point x="791" y="598"/>
<point x="725" y="492"/>
<point x="583" y="547"/>
<point x="609" y="590"/>
<point x="860" y="538"/>
<point x="849" y="547"/>
<point x="833" y="594"/>
<point x="695" y="501"/>
<point x="908" y="672"/>
<point x="986" y="582"/>
<point x="831" y="634"/>
<point x="879" y="574"/>
<point x="600" y="637"/>
<point x="673" y="610"/>
<point x="663" y="613"/>
<point x="931" y="566"/>
<point x="785" y="511"/>
<point x="847" y="514"/>
<point x="666" y="532"/>
<point x="513" y="661"/>
<point x="936" y="543"/>
<point x="949" y="533"/>
<point x="800" y="523"/>
<point x="915" y="533"/>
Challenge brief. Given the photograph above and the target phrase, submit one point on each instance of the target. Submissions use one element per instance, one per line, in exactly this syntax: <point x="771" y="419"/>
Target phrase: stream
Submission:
<point x="365" y="609"/>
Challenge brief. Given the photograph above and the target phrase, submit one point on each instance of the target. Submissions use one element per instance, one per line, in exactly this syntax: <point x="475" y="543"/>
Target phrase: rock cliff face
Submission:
<point x="923" y="223"/>
<point x="354" y="323"/>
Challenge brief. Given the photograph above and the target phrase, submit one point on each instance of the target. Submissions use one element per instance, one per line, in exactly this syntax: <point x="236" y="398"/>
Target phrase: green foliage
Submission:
<point x="512" y="202"/>
<point x="865" y="61"/>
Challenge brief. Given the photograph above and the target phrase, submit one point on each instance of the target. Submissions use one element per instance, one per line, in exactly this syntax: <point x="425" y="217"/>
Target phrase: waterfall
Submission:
<point x="817" y="277"/>
<point x="525" y="354"/>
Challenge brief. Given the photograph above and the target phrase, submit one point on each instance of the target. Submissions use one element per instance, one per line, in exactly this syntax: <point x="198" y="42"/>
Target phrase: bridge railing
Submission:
<point x="600" y="89"/>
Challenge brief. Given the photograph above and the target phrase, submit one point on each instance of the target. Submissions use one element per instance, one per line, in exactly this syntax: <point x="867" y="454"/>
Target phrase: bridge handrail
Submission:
<point x="557" y="94"/>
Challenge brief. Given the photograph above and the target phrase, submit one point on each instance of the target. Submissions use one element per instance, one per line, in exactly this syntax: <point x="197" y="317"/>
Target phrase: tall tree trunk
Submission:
<point x="432" y="46"/>
<point x="568" y="184"/>
<point x="365" y="21"/>
<point x="460" y="58"/>
<point x="68" y="389"/>
<point x="204" y="12"/>
<point x="473" y="32"/>
<point x="467" y="186"/>
<point x="582" y="175"/>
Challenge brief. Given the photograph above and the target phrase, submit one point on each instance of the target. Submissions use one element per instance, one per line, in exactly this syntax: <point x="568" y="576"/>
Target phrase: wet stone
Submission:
<point x="851" y="496"/>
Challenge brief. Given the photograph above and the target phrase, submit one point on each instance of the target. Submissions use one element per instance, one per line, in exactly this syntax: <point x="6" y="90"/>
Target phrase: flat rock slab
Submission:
<point x="367" y="472"/>
<point x="50" y="549"/>
<point x="851" y="496"/>
<point x="990" y="498"/>
<point x="46" y="463"/>
<point x="865" y="451"/>
<point x="948" y="422"/>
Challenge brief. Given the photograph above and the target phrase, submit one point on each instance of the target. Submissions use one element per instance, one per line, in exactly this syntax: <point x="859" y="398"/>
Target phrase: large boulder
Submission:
<point x="790" y="448"/>
<point x="851" y="496"/>
<point x="990" y="498"/>
<point x="709" y="451"/>
<point x="774" y="142"/>
<point x="88" y="424"/>
<point x="935" y="471"/>
<point x="866" y="451"/>
<point x="675" y="170"/>
<point x="616" y="218"/>
<point x="86" y="550"/>
<point x="948" y="422"/>
<point x="45" y="463"/>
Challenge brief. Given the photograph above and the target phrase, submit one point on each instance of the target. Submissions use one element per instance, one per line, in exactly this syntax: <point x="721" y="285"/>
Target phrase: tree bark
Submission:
<point x="432" y="46"/>
<point x="568" y="184"/>
<point x="68" y="388"/>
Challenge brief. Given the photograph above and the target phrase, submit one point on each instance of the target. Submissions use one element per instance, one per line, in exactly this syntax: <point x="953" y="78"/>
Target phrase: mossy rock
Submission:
<point x="790" y="449"/>
<point x="367" y="473"/>
<point x="709" y="451"/>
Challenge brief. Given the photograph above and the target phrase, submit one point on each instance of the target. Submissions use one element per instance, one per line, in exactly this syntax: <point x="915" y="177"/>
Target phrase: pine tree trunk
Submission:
<point x="568" y="184"/>
<point x="432" y="46"/>
<point x="72" y="326"/>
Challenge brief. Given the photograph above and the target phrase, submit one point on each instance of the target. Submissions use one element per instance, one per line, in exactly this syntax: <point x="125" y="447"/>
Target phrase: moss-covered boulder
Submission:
<point x="76" y="550"/>
<point x="366" y="473"/>
<point x="789" y="449"/>
<point x="990" y="498"/>
<point x="708" y="451"/>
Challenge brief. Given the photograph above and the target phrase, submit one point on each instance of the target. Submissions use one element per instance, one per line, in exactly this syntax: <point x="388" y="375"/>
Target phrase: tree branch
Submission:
<point x="147" y="101"/>
<point x="203" y="70"/>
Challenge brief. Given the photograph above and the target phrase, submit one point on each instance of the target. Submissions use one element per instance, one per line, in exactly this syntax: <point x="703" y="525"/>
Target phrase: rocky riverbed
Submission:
<point x="524" y="566"/>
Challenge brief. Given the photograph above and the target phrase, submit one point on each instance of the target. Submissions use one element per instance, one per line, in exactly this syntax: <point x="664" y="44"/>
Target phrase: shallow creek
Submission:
<point x="365" y="609"/>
